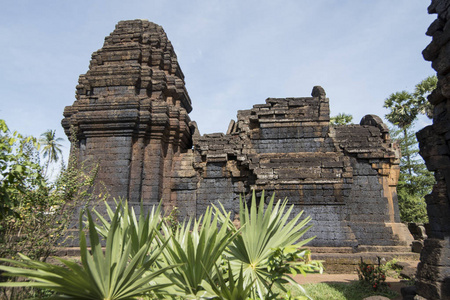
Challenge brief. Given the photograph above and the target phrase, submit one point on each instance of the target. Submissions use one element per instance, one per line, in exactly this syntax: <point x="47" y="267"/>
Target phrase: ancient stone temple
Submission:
<point x="131" y="116"/>
<point x="433" y="275"/>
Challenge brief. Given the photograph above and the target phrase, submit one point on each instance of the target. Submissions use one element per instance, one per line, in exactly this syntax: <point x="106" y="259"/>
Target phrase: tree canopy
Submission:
<point x="51" y="147"/>
<point x="341" y="119"/>
<point x="405" y="106"/>
<point x="415" y="180"/>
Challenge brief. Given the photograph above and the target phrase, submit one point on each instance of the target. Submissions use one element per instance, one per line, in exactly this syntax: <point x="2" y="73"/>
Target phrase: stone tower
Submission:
<point x="433" y="272"/>
<point x="131" y="117"/>
<point x="131" y="111"/>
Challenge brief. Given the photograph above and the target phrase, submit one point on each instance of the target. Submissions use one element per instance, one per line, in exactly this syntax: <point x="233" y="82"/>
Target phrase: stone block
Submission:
<point x="417" y="246"/>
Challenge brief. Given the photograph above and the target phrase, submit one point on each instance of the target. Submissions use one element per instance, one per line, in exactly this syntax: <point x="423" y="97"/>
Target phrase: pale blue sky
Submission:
<point x="234" y="53"/>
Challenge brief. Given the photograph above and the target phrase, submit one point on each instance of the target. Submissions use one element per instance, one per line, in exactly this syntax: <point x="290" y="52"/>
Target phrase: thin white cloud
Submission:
<point x="233" y="53"/>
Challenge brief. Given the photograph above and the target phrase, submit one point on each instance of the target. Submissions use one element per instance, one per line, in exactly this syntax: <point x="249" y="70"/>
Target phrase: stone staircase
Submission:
<point x="346" y="259"/>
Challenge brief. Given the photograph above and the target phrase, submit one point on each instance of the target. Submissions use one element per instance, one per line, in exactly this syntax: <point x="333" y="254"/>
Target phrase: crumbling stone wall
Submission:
<point x="343" y="176"/>
<point x="433" y="275"/>
<point x="131" y="115"/>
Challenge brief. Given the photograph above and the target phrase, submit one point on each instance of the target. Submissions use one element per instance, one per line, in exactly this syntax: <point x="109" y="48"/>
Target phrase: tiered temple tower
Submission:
<point x="131" y="112"/>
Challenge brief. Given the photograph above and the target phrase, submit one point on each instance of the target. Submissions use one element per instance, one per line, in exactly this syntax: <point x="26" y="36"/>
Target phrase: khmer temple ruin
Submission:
<point x="433" y="274"/>
<point x="131" y="116"/>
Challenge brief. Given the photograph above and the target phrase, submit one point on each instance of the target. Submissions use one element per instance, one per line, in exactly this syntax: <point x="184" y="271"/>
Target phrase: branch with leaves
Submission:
<point x="415" y="180"/>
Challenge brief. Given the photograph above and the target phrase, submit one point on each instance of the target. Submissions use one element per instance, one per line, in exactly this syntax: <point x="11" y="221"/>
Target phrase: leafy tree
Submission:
<point x="341" y="119"/>
<point x="51" y="147"/>
<point x="421" y="92"/>
<point x="412" y="207"/>
<point x="405" y="107"/>
<point x="415" y="180"/>
<point x="19" y="168"/>
<point x="35" y="214"/>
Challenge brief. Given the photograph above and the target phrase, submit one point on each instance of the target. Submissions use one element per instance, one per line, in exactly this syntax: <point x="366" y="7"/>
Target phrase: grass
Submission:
<point x="340" y="291"/>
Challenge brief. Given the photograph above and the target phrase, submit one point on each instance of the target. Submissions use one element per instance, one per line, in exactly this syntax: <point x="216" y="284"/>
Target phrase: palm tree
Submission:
<point x="51" y="147"/>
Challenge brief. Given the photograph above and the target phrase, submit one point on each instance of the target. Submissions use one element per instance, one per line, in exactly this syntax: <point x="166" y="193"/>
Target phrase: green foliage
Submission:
<point x="405" y="107"/>
<point x="375" y="276"/>
<point x="227" y="288"/>
<point x="413" y="208"/>
<point x="51" y="147"/>
<point x="341" y="119"/>
<point x="172" y="219"/>
<point x="289" y="260"/>
<point x="415" y="180"/>
<point x="36" y="214"/>
<point x="414" y="176"/>
<point x="141" y="229"/>
<point x="108" y="275"/>
<point x="197" y="249"/>
<point x="42" y="211"/>
<point x="421" y="92"/>
<point x="391" y="268"/>
<point x="264" y="230"/>
<point x="263" y="251"/>
<point x="19" y="167"/>
<point x="355" y="290"/>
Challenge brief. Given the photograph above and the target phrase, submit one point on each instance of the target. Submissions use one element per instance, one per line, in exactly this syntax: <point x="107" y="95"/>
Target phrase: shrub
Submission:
<point x="35" y="213"/>
<point x="265" y="230"/>
<point x="102" y="275"/>
<point x="258" y="256"/>
<point x="375" y="276"/>
<point x="413" y="208"/>
<point x="197" y="248"/>
<point x="227" y="288"/>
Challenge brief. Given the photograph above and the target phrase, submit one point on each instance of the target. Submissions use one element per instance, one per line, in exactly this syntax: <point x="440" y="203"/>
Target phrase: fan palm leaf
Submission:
<point x="196" y="247"/>
<point x="262" y="230"/>
<point x="102" y="275"/>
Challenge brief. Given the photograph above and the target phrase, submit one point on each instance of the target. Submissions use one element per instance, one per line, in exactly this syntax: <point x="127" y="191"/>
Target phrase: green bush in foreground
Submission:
<point x="36" y="213"/>
<point x="375" y="276"/>
<point x="264" y="233"/>
<point x="148" y="258"/>
<point x="228" y="288"/>
<point x="102" y="275"/>
<point x="197" y="249"/>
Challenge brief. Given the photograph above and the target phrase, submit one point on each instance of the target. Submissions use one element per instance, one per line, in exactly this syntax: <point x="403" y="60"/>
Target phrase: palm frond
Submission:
<point x="264" y="228"/>
<point x="102" y="275"/>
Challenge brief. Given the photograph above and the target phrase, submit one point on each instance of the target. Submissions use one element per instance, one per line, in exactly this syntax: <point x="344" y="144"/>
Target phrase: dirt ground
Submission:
<point x="395" y="283"/>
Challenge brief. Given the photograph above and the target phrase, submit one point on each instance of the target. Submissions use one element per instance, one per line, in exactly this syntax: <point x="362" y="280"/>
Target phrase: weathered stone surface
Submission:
<point x="408" y="292"/>
<point x="433" y="274"/>
<point x="131" y="115"/>
<point x="131" y="112"/>
<point x="417" y="246"/>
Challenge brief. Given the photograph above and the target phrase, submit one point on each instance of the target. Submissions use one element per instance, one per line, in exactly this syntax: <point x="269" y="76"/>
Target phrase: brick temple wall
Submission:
<point x="131" y="117"/>
<point x="345" y="177"/>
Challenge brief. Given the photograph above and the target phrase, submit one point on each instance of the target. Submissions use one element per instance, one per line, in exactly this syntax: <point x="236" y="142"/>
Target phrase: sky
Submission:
<point x="234" y="54"/>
